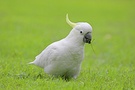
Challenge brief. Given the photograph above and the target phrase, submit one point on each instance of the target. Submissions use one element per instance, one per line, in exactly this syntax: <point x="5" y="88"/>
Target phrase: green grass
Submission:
<point x="27" y="27"/>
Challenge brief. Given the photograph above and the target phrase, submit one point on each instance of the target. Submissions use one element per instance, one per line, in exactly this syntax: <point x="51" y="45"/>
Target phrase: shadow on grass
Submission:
<point x="42" y="76"/>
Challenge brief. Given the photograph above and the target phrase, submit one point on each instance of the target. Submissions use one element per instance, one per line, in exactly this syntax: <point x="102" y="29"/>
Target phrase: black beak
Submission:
<point x="87" y="38"/>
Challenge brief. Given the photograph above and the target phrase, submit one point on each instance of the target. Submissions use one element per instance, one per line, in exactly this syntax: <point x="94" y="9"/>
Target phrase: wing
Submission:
<point x="46" y="56"/>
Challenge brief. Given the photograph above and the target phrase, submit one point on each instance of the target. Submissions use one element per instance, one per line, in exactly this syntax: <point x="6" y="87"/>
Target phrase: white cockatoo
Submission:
<point x="64" y="57"/>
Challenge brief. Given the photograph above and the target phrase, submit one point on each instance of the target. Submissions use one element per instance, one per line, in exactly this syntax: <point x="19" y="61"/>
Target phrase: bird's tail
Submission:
<point x="31" y="63"/>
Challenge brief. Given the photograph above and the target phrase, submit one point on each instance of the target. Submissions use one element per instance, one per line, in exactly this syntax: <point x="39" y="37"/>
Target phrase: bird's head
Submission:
<point x="81" y="30"/>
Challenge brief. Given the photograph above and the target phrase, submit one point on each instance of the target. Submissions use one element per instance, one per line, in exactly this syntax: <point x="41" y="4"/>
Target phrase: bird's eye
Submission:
<point x="80" y="31"/>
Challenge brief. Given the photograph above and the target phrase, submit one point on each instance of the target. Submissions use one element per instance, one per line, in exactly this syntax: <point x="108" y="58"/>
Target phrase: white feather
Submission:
<point x="64" y="57"/>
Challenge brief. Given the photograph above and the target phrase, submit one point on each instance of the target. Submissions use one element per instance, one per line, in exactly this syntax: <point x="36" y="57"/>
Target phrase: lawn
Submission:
<point x="28" y="26"/>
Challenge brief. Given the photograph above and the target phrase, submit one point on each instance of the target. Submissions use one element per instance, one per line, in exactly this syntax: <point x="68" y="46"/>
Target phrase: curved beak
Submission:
<point x="87" y="38"/>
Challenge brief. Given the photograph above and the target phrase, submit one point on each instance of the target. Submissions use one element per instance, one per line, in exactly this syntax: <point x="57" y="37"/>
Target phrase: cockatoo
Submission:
<point x="64" y="57"/>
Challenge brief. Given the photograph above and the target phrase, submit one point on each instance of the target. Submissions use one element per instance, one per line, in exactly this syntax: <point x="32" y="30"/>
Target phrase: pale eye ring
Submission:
<point x="81" y="32"/>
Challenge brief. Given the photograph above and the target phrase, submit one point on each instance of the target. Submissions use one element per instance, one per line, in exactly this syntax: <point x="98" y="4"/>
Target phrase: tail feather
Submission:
<point x="31" y="63"/>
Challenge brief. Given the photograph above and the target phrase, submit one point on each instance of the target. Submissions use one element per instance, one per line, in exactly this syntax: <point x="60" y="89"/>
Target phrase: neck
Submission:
<point x="74" y="38"/>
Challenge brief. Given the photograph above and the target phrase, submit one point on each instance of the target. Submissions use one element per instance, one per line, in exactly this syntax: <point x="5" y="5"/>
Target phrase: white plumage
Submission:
<point x="64" y="57"/>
